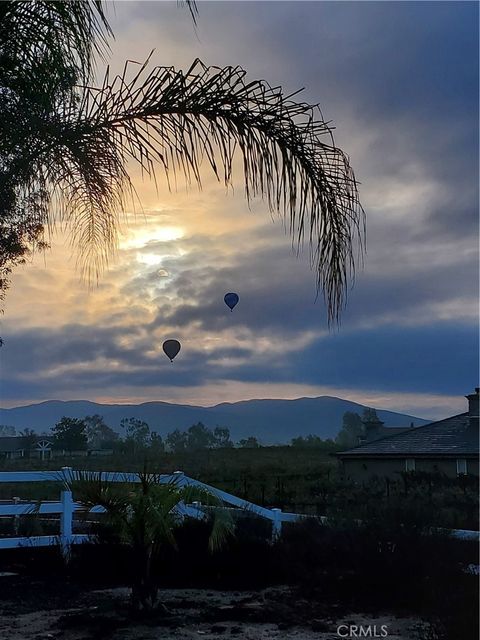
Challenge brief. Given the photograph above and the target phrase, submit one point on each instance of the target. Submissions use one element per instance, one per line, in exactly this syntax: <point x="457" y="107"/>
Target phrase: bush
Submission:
<point x="373" y="567"/>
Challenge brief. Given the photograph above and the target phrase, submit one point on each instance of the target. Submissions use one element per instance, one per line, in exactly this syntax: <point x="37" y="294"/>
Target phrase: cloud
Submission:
<point x="400" y="81"/>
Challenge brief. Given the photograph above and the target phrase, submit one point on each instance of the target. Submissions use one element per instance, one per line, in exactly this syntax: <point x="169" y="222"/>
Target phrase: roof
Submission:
<point x="17" y="443"/>
<point x="451" y="437"/>
<point x="11" y="443"/>
<point x="390" y="431"/>
<point x="383" y="432"/>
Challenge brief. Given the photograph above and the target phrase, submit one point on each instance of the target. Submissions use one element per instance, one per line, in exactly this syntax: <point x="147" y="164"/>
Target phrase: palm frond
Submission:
<point x="77" y="153"/>
<point x="70" y="32"/>
<point x="191" y="6"/>
<point x="47" y="47"/>
<point x="222" y="525"/>
<point x="223" y="528"/>
<point x="180" y="120"/>
<point x="143" y="513"/>
<point x="91" y="488"/>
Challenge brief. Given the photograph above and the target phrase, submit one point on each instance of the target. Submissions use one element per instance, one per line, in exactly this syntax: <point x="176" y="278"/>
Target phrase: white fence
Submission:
<point x="66" y="507"/>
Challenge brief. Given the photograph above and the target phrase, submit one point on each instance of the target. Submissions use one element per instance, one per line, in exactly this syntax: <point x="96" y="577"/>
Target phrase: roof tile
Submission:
<point x="451" y="436"/>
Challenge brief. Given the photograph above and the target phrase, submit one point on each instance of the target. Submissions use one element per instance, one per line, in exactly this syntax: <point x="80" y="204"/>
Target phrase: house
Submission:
<point x="12" y="447"/>
<point x="32" y="446"/>
<point x="25" y="447"/>
<point x="448" y="446"/>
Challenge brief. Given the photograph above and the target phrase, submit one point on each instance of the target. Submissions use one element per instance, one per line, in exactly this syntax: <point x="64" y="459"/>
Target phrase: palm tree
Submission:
<point x="145" y="516"/>
<point x="65" y="145"/>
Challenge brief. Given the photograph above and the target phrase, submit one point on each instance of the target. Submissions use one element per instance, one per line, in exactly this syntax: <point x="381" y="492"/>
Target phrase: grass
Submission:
<point x="272" y="476"/>
<point x="302" y="480"/>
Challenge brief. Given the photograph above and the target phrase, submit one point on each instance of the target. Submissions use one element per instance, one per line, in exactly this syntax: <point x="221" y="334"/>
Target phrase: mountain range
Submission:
<point x="271" y="421"/>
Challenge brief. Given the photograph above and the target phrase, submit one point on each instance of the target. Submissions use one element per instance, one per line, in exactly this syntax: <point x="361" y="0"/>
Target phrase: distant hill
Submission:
<point x="271" y="421"/>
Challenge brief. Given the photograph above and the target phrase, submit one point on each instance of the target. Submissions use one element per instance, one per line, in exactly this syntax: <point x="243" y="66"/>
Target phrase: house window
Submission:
<point x="461" y="467"/>
<point x="410" y="464"/>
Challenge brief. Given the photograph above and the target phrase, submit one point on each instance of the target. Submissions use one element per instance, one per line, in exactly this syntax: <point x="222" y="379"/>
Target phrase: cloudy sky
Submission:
<point x="400" y="83"/>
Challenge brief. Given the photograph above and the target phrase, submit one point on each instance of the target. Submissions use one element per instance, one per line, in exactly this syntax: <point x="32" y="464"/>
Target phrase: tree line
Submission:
<point x="92" y="433"/>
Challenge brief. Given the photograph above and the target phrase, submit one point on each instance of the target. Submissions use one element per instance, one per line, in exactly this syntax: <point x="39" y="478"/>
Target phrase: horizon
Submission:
<point x="409" y="334"/>
<point x="438" y="416"/>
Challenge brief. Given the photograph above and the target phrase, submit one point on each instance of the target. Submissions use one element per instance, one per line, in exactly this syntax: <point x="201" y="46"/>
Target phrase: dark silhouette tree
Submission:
<point x="69" y="434"/>
<point x="221" y="438"/>
<point x="99" y="434"/>
<point x="144" y="517"/>
<point x="352" y="430"/>
<point x="312" y="442"/>
<point x="199" y="437"/>
<point x="6" y="430"/>
<point x="176" y="441"/>
<point x="370" y="415"/>
<point x="137" y="434"/>
<point x="156" y="443"/>
<point x="249" y="443"/>
<point x="65" y="145"/>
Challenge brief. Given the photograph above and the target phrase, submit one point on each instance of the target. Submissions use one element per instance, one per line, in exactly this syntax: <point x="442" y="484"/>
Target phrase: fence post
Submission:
<point x="66" y="520"/>
<point x="16" y="518"/>
<point x="276" y="524"/>
<point x="67" y="473"/>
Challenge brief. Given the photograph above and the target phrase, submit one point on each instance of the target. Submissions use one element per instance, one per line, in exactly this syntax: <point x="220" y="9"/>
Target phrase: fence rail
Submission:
<point x="66" y="507"/>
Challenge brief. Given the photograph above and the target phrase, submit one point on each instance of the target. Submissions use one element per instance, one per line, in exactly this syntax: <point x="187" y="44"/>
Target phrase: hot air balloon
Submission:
<point x="171" y="348"/>
<point x="231" y="300"/>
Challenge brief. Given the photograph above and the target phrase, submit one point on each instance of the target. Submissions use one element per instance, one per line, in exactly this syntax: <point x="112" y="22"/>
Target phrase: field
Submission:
<point x="282" y="477"/>
<point x="372" y="565"/>
<point x="300" y="480"/>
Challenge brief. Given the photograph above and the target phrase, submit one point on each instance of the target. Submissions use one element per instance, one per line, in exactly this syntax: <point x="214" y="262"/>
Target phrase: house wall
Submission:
<point x="362" y="469"/>
<point x="42" y="455"/>
<point x="61" y="453"/>
<point x="11" y="455"/>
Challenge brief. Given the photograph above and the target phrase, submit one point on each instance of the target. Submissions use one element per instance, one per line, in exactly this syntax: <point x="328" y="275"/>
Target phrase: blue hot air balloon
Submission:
<point x="171" y="348"/>
<point x="231" y="299"/>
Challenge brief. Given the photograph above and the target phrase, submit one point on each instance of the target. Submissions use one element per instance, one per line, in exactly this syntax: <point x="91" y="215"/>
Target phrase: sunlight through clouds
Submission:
<point x="406" y="341"/>
<point x="140" y="235"/>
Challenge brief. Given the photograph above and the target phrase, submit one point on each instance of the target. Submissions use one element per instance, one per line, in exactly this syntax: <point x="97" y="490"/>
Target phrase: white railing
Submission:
<point x="66" y="507"/>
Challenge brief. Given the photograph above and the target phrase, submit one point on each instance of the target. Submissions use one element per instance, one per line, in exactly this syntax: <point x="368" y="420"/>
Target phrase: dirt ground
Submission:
<point x="41" y="611"/>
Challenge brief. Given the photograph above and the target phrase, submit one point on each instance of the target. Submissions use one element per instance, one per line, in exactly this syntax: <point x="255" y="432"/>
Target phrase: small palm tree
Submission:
<point x="65" y="145"/>
<point x="145" y="517"/>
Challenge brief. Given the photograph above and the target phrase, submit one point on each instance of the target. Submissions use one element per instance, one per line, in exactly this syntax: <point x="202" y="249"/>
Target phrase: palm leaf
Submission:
<point x="191" y="6"/>
<point x="70" y="162"/>
<point x="179" y="121"/>
<point x="71" y="32"/>
<point x="143" y="513"/>
<point x="46" y="48"/>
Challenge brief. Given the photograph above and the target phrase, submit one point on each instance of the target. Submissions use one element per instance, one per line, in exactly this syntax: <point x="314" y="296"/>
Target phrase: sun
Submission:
<point x="150" y="259"/>
<point x="143" y="236"/>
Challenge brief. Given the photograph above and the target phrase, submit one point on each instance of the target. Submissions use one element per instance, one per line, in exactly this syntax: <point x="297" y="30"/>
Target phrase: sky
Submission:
<point x="399" y="81"/>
